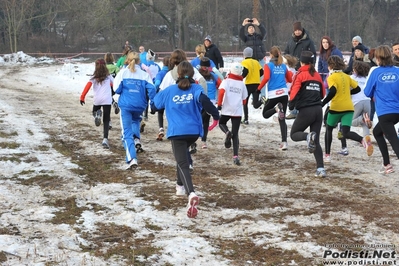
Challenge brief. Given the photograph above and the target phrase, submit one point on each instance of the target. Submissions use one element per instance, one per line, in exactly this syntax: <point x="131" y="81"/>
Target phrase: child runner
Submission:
<point x="134" y="86"/>
<point x="361" y="103"/>
<point x="113" y="71"/>
<point x="101" y="81"/>
<point x="183" y="103"/>
<point x="232" y="97"/>
<point x="158" y="79"/>
<point x="341" y="109"/>
<point x="382" y="84"/>
<point x="276" y="75"/>
<point x="307" y="91"/>
<point x="212" y="83"/>
<point x="252" y="72"/>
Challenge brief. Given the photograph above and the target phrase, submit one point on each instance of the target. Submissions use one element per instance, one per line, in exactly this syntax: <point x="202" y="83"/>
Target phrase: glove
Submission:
<point x="82" y="102"/>
<point x="219" y="107"/>
<point x="257" y="91"/>
<point x="214" y="124"/>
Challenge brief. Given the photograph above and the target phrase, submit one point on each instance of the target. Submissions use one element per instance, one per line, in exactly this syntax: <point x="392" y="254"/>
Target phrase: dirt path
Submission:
<point x="269" y="211"/>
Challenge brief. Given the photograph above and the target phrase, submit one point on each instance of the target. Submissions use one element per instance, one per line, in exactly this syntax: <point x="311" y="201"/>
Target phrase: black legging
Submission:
<point x="205" y="124"/>
<point x="312" y="117"/>
<point x="180" y="148"/>
<point x="251" y="89"/>
<point x="106" y="117"/>
<point x="269" y="110"/>
<point x="235" y="127"/>
<point x="386" y="127"/>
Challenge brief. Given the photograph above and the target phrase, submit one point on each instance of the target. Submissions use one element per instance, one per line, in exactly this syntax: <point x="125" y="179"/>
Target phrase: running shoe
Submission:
<point x="344" y="151"/>
<point x="204" y="146"/>
<point x="386" y="169"/>
<point x="280" y="111"/>
<point x="236" y="160"/>
<point x="105" y="143"/>
<point x="193" y="148"/>
<point x="284" y="146"/>
<point x="320" y="172"/>
<point x="193" y="201"/>
<point x="227" y="140"/>
<point x="116" y="107"/>
<point x="132" y="164"/>
<point x="161" y="134"/>
<point x="138" y="146"/>
<point x="367" y="120"/>
<point x="97" y="117"/>
<point x="327" y="159"/>
<point x="180" y="191"/>
<point x="311" y="142"/>
<point x="368" y="145"/>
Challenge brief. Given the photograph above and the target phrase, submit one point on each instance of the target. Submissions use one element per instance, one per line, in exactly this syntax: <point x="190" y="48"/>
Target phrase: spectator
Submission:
<point x="127" y="45"/>
<point x="300" y="41"/>
<point x="253" y="39"/>
<point x="327" y="49"/>
<point x="212" y="52"/>
<point x="356" y="41"/>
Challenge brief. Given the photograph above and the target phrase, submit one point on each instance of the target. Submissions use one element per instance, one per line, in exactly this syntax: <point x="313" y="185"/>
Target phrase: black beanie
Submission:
<point x="359" y="47"/>
<point x="307" y="57"/>
<point x="205" y="62"/>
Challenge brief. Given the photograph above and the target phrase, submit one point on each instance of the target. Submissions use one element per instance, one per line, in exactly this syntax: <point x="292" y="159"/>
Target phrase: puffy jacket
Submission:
<point x="213" y="53"/>
<point x="255" y="41"/>
<point x="322" y="66"/>
<point x="296" y="46"/>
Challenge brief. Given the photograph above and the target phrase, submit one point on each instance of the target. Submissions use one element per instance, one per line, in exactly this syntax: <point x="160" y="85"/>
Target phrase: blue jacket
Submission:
<point x="161" y="74"/>
<point x="322" y="66"/>
<point x="183" y="109"/>
<point x="382" y="84"/>
<point x="211" y="85"/>
<point x="134" y="89"/>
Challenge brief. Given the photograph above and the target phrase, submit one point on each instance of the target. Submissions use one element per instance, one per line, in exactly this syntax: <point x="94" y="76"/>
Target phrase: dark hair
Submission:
<point x="101" y="71"/>
<point x="176" y="58"/>
<point x="165" y="61"/>
<point x="109" y="58"/>
<point x="326" y="53"/>
<point x="361" y="68"/>
<point x="307" y="59"/>
<point x="185" y="72"/>
<point x="396" y="43"/>
<point x="336" y="63"/>
<point x="384" y="55"/>
<point x="276" y="52"/>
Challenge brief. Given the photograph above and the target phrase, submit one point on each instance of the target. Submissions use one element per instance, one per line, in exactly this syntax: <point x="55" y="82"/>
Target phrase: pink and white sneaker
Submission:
<point x="193" y="201"/>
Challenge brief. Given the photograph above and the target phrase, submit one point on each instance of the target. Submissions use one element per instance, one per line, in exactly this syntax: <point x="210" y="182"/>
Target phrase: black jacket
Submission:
<point x="349" y="69"/>
<point x="213" y="53"/>
<point x="296" y="45"/>
<point x="255" y="41"/>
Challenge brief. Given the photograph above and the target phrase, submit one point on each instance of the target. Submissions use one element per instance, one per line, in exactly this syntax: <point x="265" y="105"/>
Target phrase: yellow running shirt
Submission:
<point x="342" y="100"/>
<point x="253" y="67"/>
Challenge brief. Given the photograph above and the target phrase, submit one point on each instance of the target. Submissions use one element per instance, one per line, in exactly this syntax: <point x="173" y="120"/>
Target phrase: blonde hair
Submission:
<point x="291" y="60"/>
<point x="132" y="59"/>
<point x="200" y="50"/>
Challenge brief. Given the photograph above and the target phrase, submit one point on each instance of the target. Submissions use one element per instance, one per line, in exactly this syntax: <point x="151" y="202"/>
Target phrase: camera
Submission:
<point x="250" y="20"/>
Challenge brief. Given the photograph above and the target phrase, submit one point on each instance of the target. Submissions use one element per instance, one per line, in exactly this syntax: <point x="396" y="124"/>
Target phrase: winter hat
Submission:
<point x="150" y="55"/>
<point x="298" y="26"/>
<point x="236" y="69"/>
<point x="357" y="38"/>
<point x="205" y="62"/>
<point x="248" y="52"/>
<point x="359" y="47"/>
<point x="307" y="57"/>
<point x="208" y="37"/>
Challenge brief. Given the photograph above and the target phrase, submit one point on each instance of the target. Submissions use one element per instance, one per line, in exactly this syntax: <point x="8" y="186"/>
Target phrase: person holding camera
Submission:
<point x="252" y="34"/>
